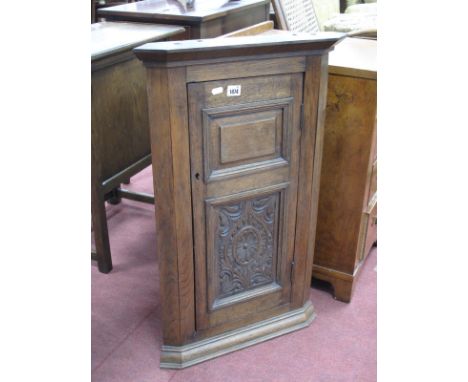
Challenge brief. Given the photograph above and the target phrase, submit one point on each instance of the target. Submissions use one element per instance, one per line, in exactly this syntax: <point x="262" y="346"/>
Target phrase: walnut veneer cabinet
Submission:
<point x="205" y="19"/>
<point x="236" y="177"/>
<point x="347" y="214"/>
<point x="119" y="118"/>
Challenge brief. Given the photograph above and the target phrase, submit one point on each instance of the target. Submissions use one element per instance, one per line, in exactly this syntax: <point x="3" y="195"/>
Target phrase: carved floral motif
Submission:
<point x="245" y="244"/>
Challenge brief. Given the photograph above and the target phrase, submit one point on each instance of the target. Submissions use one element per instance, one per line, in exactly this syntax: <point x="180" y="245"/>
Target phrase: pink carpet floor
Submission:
<point x="339" y="346"/>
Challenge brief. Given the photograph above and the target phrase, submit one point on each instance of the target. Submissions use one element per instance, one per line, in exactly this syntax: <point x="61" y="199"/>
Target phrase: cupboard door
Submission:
<point x="244" y="147"/>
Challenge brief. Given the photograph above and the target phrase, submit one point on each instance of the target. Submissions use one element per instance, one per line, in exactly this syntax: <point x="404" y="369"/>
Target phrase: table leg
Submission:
<point x="113" y="197"/>
<point x="101" y="235"/>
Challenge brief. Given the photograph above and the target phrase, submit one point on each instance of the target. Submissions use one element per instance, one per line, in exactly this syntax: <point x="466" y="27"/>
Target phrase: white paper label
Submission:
<point x="217" y="90"/>
<point x="233" y="90"/>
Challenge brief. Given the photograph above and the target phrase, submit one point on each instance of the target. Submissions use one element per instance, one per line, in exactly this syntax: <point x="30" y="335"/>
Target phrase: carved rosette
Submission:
<point x="245" y="244"/>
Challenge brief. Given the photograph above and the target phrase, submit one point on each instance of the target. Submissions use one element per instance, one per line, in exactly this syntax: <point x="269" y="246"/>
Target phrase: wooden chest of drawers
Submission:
<point x="347" y="213"/>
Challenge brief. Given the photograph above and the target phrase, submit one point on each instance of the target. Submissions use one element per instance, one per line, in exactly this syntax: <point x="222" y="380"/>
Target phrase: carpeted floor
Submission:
<point x="339" y="346"/>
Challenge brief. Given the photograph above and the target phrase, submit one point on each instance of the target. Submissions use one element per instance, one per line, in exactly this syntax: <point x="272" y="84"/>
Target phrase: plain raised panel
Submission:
<point x="247" y="138"/>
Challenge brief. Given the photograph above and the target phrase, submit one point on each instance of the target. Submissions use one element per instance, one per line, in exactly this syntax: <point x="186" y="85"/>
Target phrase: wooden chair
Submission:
<point x="300" y="16"/>
<point x="296" y="16"/>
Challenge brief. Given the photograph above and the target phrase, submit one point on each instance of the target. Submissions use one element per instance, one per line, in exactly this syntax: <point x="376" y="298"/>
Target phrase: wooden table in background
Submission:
<point x="120" y="145"/>
<point x="347" y="215"/>
<point x="208" y="18"/>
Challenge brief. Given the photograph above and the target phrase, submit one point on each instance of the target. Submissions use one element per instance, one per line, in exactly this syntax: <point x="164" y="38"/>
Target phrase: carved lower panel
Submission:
<point x="246" y="245"/>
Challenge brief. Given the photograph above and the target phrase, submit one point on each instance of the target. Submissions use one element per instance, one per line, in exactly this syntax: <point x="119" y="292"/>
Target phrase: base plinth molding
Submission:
<point x="179" y="357"/>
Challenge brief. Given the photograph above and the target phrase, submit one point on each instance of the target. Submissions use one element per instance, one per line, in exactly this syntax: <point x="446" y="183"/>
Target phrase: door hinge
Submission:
<point x="292" y="270"/>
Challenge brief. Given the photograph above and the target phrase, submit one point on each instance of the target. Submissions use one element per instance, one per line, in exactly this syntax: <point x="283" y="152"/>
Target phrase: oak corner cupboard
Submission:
<point x="236" y="134"/>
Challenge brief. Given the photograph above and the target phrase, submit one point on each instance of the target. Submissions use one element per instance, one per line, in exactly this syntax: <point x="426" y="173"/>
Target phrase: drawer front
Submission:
<point x="374" y="142"/>
<point x="372" y="183"/>
<point x="373" y="164"/>
<point x="369" y="232"/>
<point x="244" y="146"/>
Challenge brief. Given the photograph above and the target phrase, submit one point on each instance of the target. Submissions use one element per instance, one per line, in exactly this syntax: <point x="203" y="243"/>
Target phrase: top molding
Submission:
<point x="227" y="49"/>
